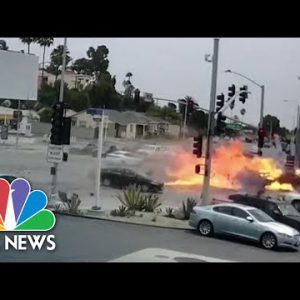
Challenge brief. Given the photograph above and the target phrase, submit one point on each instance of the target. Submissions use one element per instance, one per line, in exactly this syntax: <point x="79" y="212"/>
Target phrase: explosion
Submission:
<point x="231" y="169"/>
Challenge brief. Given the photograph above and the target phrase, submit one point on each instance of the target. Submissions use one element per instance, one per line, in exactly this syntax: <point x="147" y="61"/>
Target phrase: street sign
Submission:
<point x="55" y="153"/>
<point x="234" y="126"/>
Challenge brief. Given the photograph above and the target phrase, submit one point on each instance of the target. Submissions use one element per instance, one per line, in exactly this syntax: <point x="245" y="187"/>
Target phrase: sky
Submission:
<point x="173" y="68"/>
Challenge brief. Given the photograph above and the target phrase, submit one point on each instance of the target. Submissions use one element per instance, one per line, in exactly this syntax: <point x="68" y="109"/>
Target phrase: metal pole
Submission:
<point x="61" y="95"/>
<point x="98" y="165"/>
<point x="18" y="123"/>
<point x="271" y="129"/>
<point x="185" y="117"/>
<point x="206" y="182"/>
<point x="262" y="106"/>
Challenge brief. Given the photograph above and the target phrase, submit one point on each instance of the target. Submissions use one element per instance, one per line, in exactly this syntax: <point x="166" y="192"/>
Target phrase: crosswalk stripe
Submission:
<point x="165" y="255"/>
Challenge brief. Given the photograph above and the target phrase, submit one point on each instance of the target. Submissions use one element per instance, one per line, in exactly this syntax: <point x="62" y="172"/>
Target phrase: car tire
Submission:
<point x="268" y="241"/>
<point x="106" y="182"/>
<point x="145" y="188"/>
<point x="205" y="228"/>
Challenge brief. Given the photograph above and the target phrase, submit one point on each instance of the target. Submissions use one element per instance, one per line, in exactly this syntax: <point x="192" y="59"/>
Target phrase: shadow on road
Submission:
<point x="241" y="241"/>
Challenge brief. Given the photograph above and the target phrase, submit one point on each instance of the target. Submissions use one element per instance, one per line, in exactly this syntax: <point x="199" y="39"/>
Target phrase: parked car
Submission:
<point x="293" y="199"/>
<point x="244" y="222"/>
<point x="122" y="177"/>
<point x="280" y="210"/>
<point x="122" y="158"/>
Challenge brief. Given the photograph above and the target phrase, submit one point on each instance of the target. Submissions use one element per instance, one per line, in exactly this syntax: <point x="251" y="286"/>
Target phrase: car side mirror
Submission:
<point x="249" y="219"/>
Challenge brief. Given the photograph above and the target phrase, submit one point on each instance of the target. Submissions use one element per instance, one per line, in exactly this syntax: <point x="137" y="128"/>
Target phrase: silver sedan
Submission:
<point x="244" y="222"/>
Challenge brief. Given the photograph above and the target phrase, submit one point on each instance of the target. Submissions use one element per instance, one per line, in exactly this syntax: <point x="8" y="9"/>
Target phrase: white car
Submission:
<point x="122" y="158"/>
<point x="149" y="149"/>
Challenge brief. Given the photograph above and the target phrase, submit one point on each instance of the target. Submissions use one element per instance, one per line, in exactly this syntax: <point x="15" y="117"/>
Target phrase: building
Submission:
<point x="72" y="79"/>
<point x="127" y="124"/>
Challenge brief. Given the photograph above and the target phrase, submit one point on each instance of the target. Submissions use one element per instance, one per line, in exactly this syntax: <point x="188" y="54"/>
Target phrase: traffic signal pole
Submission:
<point x="208" y="154"/>
<point x="61" y="99"/>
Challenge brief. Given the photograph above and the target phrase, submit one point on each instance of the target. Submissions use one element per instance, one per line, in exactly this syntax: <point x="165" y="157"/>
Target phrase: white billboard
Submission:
<point x="18" y="75"/>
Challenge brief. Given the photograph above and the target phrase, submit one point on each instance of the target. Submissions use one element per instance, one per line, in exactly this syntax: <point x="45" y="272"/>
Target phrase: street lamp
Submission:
<point x="262" y="94"/>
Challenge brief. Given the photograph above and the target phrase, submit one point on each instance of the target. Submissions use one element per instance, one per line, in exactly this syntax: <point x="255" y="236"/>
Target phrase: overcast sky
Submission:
<point x="175" y="67"/>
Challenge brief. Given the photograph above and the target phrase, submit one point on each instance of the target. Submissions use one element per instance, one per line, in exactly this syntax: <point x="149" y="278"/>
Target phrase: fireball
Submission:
<point x="228" y="163"/>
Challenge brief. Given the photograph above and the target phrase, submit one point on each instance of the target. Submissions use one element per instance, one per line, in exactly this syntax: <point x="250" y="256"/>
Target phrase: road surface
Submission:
<point x="86" y="240"/>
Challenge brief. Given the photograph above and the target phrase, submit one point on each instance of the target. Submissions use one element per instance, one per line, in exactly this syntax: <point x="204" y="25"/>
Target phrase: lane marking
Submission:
<point x="165" y="255"/>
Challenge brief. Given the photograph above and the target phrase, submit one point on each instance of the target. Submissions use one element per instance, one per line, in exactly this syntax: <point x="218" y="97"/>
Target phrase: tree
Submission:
<point x="198" y="120"/>
<point x="3" y="45"/>
<point x="129" y="75"/>
<point x="271" y="123"/>
<point x="28" y="41"/>
<point x="44" y="42"/>
<point x="56" y="58"/>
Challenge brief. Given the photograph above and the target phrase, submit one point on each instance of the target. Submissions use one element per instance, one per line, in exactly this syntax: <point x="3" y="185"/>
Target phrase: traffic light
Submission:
<point x="244" y="94"/>
<point x="198" y="141"/>
<point x="231" y="91"/>
<point x="57" y="124"/>
<point x="190" y="106"/>
<point x="66" y="131"/>
<point x="197" y="169"/>
<point x="261" y="137"/>
<point x="220" y="127"/>
<point x="220" y="101"/>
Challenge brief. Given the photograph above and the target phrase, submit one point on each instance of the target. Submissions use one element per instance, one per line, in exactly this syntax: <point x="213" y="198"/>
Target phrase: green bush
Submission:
<point x="169" y="212"/>
<point x="132" y="198"/>
<point x="151" y="202"/>
<point x="188" y="207"/>
<point x="71" y="205"/>
<point x="120" y="212"/>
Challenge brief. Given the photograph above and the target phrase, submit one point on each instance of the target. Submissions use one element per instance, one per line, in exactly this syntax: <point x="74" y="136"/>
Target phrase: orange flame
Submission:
<point x="276" y="186"/>
<point x="227" y="162"/>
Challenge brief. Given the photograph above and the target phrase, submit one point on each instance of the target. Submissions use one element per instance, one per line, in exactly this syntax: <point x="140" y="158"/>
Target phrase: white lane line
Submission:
<point x="165" y="255"/>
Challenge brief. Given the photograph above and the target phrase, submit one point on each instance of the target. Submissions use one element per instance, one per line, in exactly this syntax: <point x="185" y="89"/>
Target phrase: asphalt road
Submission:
<point x="86" y="240"/>
<point x="77" y="176"/>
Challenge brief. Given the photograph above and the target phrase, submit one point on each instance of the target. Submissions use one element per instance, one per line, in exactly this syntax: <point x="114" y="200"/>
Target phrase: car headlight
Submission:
<point x="285" y="235"/>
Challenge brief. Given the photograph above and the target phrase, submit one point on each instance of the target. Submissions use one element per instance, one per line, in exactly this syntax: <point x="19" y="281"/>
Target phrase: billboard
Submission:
<point x="18" y="75"/>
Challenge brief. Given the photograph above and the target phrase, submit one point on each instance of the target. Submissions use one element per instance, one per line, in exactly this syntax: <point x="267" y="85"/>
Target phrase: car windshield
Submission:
<point x="260" y="215"/>
<point x="288" y="210"/>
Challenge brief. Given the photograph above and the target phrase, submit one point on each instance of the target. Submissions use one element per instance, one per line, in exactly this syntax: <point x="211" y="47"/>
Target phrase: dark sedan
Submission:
<point x="120" y="178"/>
<point x="280" y="210"/>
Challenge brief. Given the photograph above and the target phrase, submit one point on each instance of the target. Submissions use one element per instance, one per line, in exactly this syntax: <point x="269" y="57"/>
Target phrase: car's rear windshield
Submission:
<point x="260" y="215"/>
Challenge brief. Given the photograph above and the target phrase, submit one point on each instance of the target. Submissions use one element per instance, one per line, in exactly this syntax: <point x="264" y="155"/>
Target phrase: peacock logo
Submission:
<point x="22" y="209"/>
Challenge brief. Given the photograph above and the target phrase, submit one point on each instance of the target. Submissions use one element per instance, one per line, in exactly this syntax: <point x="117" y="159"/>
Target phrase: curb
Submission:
<point x="119" y="221"/>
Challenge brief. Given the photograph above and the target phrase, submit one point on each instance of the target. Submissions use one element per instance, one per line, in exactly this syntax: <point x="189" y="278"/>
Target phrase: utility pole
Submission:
<point x="262" y="102"/>
<point x="61" y="95"/>
<point x="208" y="155"/>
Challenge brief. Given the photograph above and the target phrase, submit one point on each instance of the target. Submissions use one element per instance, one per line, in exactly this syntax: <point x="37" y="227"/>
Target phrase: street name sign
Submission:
<point x="55" y="153"/>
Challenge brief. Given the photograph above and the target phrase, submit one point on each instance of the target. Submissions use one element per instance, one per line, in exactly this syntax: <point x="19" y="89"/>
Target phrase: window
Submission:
<point x="227" y="210"/>
<point x="260" y="215"/>
<point x="131" y="128"/>
<point x="288" y="210"/>
<point x="237" y="212"/>
<point x="82" y="123"/>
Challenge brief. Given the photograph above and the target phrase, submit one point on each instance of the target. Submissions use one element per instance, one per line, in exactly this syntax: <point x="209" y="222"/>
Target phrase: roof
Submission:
<point x="128" y="117"/>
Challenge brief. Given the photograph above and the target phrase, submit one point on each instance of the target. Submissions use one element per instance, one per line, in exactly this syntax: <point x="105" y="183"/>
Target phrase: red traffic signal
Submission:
<point x="261" y="137"/>
<point x="198" y="142"/>
<point x="197" y="169"/>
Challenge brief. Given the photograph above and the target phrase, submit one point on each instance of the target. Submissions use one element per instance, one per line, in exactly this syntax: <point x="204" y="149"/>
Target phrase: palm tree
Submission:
<point x="28" y="41"/>
<point x="3" y="45"/>
<point x="44" y="42"/>
<point x="129" y="74"/>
